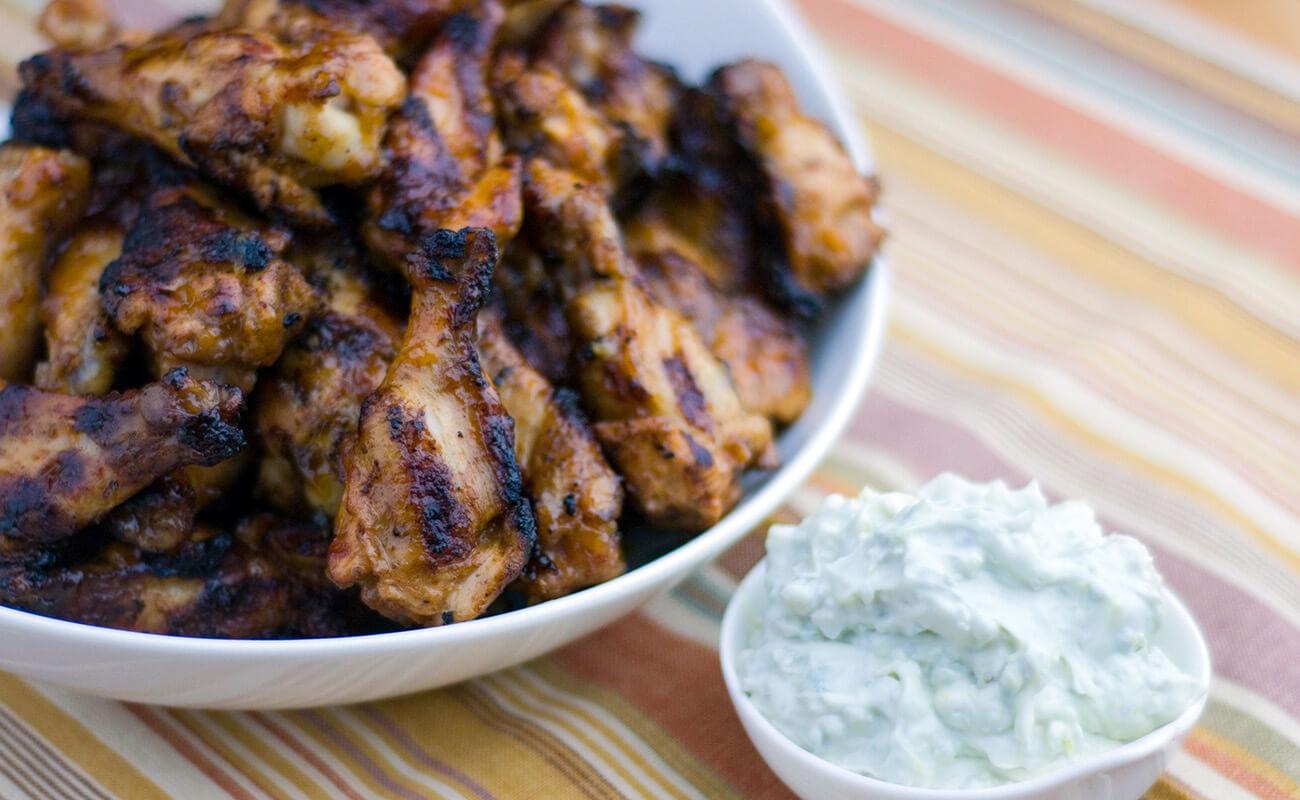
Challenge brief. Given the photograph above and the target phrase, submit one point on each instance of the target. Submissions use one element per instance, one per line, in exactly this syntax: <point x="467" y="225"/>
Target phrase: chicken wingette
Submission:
<point x="308" y="405"/>
<point x="272" y="116"/>
<point x="664" y="407"/>
<point x="434" y="523"/>
<point x="205" y="288"/>
<point x="264" y="580"/>
<point x="446" y="167"/>
<point x="42" y="195"/>
<point x="66" y="461"/>
<point x="576" y="496"/>
<point x="812" y="191"/>
<point x="82" y="348"/>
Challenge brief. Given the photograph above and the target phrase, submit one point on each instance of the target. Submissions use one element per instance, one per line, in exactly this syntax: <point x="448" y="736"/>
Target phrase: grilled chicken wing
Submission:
<point x="817" y="198"/>
<point x="42" y="194"/>
<point x="534" y="311"/>
<point x="308" y="406"/>
<point x="591" y="46"/>
<point x="401" y="27"/>
<point x="65" y="461"/>
<point x="82" y="348"/>
<point x="274" y="117"/>
<point x="762" y="350"/>
<point x="446" y="167"/>
<point x="267" y="580"/>
<point x="577" y="497"/>
<point x="664" y="406"/>
<point x="205" y="288"/>
<point x="434" y="524"/>
<point x="77" y="24"/>
<point x="544" y="115"/>
<point x="163" y="517"/>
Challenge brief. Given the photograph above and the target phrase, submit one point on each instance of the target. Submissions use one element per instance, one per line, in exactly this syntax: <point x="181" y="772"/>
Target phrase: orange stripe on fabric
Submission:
<point x="187" y="719"/>
<point x="676" y="683"/>
<point x="1178" y="185"/>
<point x="305" y="753"/>
<point x="1240" y="766"/>
<point x="150" y="718"/>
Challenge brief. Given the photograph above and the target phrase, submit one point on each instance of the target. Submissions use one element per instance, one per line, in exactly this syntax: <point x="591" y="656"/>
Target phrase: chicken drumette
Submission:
<point x="434" y="523"/>
<point x="446" y="167"/>
<point x="272" y="116"/>
<point x="66" y="461"/>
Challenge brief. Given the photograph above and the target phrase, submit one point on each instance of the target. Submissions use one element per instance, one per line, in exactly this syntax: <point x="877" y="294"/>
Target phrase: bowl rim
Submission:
<point x="679" y="561"/>
<point x="1126" y="753"/>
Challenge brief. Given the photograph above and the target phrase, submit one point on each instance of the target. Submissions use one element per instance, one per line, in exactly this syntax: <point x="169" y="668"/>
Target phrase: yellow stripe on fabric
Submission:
<point x="1033" y="323"/>
<point x="602" y="723"/>
<point x="1258" y="768"/>
<point x="442" y="724"/>
<point x="1034" y="398"/>
<point x="189" y="722"/>
<point x="578" y="738"/>
<point x="235" y="726"/>
<point x="75" y="743"/>
<point x="1198" y="308"/>
<point x="1211" y="79"/>
<point x="699" y="774"/>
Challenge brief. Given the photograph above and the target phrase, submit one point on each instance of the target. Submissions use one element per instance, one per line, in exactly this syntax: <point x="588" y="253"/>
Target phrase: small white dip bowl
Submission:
<point x="1123" y="773"/>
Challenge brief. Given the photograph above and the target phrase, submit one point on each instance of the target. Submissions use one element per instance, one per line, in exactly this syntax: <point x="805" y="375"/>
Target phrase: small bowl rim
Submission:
<point x="1127" y="753"/>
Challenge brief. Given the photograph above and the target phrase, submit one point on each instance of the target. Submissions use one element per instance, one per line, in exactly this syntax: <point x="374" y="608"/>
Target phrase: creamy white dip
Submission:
<point x="967" y="636"/>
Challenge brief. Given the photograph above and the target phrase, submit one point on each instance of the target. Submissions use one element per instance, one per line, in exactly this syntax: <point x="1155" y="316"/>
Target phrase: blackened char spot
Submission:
<point x="193" y="559"/>
<point x="231" y="246"/>
<point x="689" y="397"/>
<point x="13" y="406"/>
<point x="211" y="438"/>
<point x="570" y="504"/>
<point x="448" y="617"/>
<point x="29" y="511"/>
<point x="702" y="456"/>
<point x="462" y="30"/>
<point x="444" y="521"/>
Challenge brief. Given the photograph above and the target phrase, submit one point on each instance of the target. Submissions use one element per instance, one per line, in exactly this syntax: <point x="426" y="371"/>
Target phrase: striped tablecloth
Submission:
<point x="1096" y="231"/>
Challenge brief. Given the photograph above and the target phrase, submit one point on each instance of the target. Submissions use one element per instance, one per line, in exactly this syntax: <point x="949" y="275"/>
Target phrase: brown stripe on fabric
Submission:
<point x="151" y="718"/>
<point x="345" y="742"/>
<point x="305" y="753"/>
<point x="117" y="775"/>
<point x="11" y="771"/>
<point x="577" y="770"/>
<point x="676" y="682"/>
<point x="390" y="731"/>
<point x="62" y="770"/>
<point x="742" y="557"/>
<point x="186" y="719"/>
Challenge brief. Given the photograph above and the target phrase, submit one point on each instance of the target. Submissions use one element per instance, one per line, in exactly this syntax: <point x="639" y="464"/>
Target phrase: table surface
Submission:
<point x="1095" y="214"/>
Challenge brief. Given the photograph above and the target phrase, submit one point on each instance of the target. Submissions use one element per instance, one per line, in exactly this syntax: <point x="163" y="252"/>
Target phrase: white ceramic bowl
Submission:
<point x="694" y="37"/>
<point x="1123" y="773"/>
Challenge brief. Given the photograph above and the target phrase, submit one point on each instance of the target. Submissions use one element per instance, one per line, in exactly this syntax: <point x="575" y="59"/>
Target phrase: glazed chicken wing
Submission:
<point x="434" y="523"/>
<point x="162" y="517"/>
<point x="42" y="194"/>
<point x="591" y="46"/>
<point x="66" y="461"/>
<point x="205" y="288"/>
<point x="274" y="117"/>
<point x="814" y="194"/>
<point x="82" y="348"/>
<point x="577" y="497"/>
<point x="267" y="580"/>
<point x="308" y="406"/>
<point x="534" y="312"/>
<point x="664" y="406"/>
<point x="446" y="167"/>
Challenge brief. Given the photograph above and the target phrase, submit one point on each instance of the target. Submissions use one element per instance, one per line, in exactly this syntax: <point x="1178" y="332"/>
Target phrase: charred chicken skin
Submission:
<point x="206" y="288"/>
<point x="434" y="524"/>
<point x="42" y="194"/>
<point x="273" y="117"/>
<point x="813" y="192"/>
<point x="577" y="497"/>
<point x="664" y="407"/>
<point x="308" y="406"/>
<point x="266" y="580"/>
<point x="66" y="461"/>
<point x="446" y="166"/>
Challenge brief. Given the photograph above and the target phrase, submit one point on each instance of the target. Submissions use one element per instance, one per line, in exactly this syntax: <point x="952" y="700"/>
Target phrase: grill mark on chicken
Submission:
<point x="433" y="525"/>
<point x="66" y="461"/>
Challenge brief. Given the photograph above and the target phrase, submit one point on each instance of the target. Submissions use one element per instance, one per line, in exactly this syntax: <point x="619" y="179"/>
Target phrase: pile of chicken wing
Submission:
<point x="321" y="317"/>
